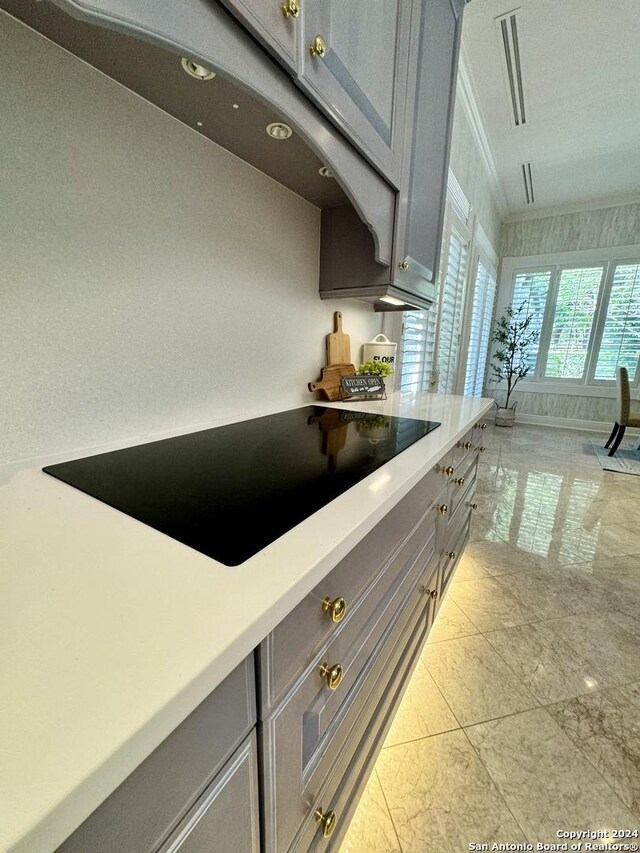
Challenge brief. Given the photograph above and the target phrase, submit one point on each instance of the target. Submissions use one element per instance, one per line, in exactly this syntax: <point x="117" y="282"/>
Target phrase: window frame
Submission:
<point x="609" y="258"/>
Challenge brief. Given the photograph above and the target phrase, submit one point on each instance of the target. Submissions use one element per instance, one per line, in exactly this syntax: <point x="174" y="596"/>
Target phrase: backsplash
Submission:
<point x="150" y="280"/>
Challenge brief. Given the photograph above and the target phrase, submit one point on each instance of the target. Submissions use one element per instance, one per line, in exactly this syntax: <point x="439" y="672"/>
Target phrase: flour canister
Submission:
<point x="380" y="349"/>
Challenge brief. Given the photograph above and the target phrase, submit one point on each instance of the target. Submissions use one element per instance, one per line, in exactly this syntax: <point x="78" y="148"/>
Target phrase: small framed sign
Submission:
<point x="363" y="387"/>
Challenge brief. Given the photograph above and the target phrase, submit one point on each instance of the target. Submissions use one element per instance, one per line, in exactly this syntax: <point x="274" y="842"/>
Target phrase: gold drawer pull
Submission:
<point x="451" y="555"/>
<point x="434" y="594"/>
<point x="336" y="608"/>
<point x="459" y="481"/>
<point x="404" y="265"/>
<point x="473" y="505"/>
<point x="331" y="674"/>
<point x="483" y="426"/>
<point x="327" y="821"/>
<point x="443" y="509"/>
<point x="449" y="471"/>
<point x="290" y="9"/>
<point x="467" y="445"/>
<point x="318" y="47"/>
<point x="482" y="448"/>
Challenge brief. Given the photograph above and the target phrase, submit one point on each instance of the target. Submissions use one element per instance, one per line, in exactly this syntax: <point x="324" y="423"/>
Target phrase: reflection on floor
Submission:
<point x="523" y="716"/>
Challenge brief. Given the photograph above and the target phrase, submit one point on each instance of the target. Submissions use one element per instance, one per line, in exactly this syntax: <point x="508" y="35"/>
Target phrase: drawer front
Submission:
<point x="137" y="816"/>
<point x="294" y="643"/>
<point x="463" y="486"/>
<point x="458" y="536"/>
<point x="307" y="736"/>
<point x="343" y="789"/>
<point x="226" y="817"/>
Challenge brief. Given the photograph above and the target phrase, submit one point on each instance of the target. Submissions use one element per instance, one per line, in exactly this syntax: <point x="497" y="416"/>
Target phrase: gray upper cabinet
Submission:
<point x="275" y="22"/>
<point x="354" y="65"/>
<point x="420" y="222"/>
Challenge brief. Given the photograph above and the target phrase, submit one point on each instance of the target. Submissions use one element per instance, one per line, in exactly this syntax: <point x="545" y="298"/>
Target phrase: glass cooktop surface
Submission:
<point x="232" y="490"/>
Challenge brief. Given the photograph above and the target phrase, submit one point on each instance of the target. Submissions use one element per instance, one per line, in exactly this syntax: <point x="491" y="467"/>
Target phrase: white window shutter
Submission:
<point x="620" y="343"/>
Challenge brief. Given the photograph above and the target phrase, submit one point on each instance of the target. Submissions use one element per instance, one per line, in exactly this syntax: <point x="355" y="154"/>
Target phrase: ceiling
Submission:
<point x="580" y="74"/>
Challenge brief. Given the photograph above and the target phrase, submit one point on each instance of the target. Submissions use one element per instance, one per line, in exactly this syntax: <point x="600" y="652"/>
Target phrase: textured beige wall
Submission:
<point x="467" y="165"/>
<point x="149" y="279"/>
<point x="570" y="232"/>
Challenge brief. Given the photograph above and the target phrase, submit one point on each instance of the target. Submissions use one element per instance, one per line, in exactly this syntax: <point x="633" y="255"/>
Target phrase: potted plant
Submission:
<point x="513" y="336"/>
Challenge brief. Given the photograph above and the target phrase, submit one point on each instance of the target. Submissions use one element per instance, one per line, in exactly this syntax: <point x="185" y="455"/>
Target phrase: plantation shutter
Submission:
<point x="484" y="291"/>
<point x="418" y="347"/>
<point x="620" y="344"/>
<point x="451" y="312"/>
<point x="531" y="288"/>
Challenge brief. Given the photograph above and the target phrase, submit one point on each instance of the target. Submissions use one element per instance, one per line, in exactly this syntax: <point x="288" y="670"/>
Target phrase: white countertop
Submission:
<point x="111" y="633"/>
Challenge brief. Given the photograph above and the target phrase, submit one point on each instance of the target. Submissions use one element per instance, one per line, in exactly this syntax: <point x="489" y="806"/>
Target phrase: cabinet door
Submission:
<point x="354" y="64"/>
<point x="275" y="22"/>
<point x="421" y="223"/>
<point x="226" y="815"/>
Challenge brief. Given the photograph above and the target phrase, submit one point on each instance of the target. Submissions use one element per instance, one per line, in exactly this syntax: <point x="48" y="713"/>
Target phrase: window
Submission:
<point x="573" y="315"/>
<point x="587" y="314"/>
<point x="484" y="290"/>
<point x="620" y="342"/>
<point x="418" y="348"/>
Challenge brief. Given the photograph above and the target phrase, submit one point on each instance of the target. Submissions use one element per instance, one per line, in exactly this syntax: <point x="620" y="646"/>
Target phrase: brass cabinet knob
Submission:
<point x="449" y="471"/>
<point x="327" y="821"/>
<point x="482" y="448"/>
<point x="473" y="505"/>
<point x="331" y="674"/>
<point x="290" y="9"/>
<point x="336" y="608"/>
<point x="467" y="445"/>
<point x="404" y="265"/>
<point x="459" y="481"/>
<point x="451" y="555"/>
<point x="318" y="47"/>
<point x="483" y="426"/>
<point x="443" y="509"/>
<point x="434" y="594"/>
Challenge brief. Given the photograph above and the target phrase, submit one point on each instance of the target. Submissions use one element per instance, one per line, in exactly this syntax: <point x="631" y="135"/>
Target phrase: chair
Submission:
<point x="624" y="417"/>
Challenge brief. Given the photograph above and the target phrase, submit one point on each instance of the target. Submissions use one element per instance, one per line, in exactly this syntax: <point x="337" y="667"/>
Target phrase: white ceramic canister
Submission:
<point x="380" y="349"/>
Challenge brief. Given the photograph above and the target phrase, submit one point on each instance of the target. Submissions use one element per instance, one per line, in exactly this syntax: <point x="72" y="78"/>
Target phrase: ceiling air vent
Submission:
<point x="508" y="26"/>
<point x="527" y="180"/>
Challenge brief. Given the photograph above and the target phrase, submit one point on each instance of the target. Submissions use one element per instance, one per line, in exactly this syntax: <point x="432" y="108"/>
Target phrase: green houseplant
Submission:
<point x="375" y="368"/>
<point x="513" y="336"/>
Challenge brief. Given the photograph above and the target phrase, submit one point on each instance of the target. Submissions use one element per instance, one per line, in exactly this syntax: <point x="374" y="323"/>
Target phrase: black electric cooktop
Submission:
<point x="230" y="491"/>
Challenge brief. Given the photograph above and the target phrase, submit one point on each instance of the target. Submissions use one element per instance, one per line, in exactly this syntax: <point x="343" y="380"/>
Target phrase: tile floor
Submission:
<point x="523" y="715"/>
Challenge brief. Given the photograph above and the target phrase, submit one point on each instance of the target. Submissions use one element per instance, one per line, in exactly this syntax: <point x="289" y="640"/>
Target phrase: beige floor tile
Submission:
<point x="450" y="623"/>
<point x="606" y="729"/>
<point x="490" y="559"/>
<point x="475" y="681"/>
<point x="423" y="711"/>
<point x="371" y="829"/>
<point x="441" y="798"/>
<point x="613" y="652"/>
<point x="624" y="570"/>
<point x="549" y="668"/>
<point x="546" y="781"/>
<point x="490" y="604"/>
<point x="631" y="692"/>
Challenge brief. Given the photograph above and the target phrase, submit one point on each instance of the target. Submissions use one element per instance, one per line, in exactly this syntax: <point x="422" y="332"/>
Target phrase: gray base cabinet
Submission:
<point x="275" y="759"/>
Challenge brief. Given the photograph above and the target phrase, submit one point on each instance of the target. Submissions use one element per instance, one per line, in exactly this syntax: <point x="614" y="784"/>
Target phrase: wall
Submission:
<point x="467" y="164"/>
<point x="570" y="232"/>
<point x="149" y="279"/>
<point x="599" y="228"/>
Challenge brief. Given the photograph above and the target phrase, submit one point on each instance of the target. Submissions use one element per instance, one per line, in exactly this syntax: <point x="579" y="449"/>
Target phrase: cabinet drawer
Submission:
<point x="343" y="789"/>
<point x="288" y="650"/>
<point x="457" y="541"/>
<point x="226" y="816"/>
<point x="462" y="492"/>
<point x="312" y="730"/>
<point x="137" y="816"/>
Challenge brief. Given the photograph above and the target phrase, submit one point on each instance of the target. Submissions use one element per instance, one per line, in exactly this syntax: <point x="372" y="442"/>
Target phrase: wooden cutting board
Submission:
<point x="338" y="344"/>
<point x="329" y="383"/>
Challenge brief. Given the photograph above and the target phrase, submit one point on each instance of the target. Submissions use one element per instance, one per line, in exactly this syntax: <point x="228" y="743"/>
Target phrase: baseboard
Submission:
<point x="569" y="423"/>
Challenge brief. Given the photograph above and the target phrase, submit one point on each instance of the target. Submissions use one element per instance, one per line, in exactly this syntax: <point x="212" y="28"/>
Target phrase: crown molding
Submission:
<point x="577" y="207"/>
<point x="467" y="97"/>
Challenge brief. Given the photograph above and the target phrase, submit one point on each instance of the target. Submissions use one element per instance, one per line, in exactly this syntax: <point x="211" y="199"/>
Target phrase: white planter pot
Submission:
<point x="505" y="417"/>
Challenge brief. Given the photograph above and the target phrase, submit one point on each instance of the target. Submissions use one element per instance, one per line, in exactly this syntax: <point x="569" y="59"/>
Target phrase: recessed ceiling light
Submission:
<point x="236" y="106"/>
<point x="199" y="123"/>
<point x="279" y="130"/>
<point x="326" y="172"/>
<point x="199" y="72"/>
<point x="392" y="300"/>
